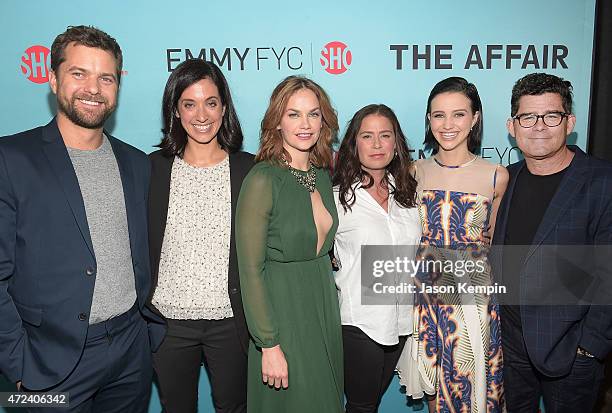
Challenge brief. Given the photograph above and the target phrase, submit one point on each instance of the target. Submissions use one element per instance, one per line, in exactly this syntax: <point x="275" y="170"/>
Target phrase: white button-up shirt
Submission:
<point x="367" y="223"/>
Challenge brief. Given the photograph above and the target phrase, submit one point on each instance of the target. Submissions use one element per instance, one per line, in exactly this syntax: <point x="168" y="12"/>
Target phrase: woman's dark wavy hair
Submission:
<point x="186" y="74"/>
<point x="460" y="85"/>
<point x="348" y="169"/>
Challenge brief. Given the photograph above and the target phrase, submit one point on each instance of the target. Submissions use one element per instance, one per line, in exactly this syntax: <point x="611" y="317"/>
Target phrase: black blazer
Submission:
<point x="161" y="169"/>
<point x="579" y="214"/>
<point x="47" y="261"/>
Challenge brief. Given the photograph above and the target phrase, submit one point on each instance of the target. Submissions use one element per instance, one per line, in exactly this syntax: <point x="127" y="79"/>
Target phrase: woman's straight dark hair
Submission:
<point x="458" y="85"/>
<point x="186" y="74"/>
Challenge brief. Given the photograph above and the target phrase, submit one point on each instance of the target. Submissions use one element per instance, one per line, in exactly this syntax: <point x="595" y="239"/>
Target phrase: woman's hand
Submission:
<point x="274" y="369"/>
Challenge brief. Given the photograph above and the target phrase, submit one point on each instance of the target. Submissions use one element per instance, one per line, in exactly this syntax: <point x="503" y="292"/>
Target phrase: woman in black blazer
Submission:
<point x="195" y="181"/>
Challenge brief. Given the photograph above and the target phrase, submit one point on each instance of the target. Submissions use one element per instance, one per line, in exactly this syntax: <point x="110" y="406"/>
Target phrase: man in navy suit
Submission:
<point x="555" y="223"/>
<point x="74" y="267"/>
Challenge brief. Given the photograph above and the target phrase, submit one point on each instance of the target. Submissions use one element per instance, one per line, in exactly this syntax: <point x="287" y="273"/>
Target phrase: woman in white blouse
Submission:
<point x="375" y="198"/>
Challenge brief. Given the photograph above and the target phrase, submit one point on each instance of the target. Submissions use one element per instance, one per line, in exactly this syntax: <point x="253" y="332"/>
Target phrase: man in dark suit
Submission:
<point x="74" y="269"/>
<point x="555" y="223"/>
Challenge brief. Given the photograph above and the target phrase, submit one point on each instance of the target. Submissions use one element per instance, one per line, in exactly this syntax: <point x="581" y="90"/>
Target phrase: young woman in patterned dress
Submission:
<point x="458" y="342"/>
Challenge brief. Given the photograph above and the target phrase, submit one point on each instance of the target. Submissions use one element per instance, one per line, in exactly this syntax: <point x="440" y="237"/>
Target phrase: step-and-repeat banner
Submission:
<point x="361" y="52"/>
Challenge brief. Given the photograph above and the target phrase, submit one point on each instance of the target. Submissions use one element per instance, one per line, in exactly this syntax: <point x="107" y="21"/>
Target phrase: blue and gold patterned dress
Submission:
<point x="458" y="345"/>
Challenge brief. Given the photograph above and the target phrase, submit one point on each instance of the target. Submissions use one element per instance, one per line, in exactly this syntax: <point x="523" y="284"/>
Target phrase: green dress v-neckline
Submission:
<point x="288" y="290"/>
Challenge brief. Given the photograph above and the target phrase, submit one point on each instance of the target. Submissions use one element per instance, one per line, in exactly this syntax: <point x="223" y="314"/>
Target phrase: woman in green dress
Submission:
<point x="285" y="225"/>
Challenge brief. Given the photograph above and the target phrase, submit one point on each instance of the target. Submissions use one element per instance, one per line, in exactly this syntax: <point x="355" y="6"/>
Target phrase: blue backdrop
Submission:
<point x="361" y="52"/>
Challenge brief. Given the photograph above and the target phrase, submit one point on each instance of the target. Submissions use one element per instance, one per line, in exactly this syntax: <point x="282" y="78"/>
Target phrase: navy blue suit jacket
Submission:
<point x="579" y="214"/>
<point x="47" y="261"/>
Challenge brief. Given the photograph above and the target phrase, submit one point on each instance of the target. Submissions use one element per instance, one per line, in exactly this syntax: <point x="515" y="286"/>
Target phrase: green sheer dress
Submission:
<point x="288" y="291"/>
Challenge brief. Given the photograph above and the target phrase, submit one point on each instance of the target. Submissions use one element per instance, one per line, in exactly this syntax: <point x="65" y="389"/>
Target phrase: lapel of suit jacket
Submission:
<point x="235" y="182"/>
<point x="57" y="154"/>
<point x="127" y="182"/>
<point x="159" y="205"/>
<point x="574" y="178"/>
<point x="501" y="224"/>
<point x="504" y="208"/>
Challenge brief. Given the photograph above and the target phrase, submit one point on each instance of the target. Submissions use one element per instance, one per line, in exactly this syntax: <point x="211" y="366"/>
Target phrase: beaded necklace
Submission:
<point x="309" y="180"/>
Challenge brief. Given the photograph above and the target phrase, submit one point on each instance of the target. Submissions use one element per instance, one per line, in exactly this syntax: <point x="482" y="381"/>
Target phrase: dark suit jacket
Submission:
<point x="579" y="217"/>
<point x="161" y="169"/>
<point x="47" y="261"/>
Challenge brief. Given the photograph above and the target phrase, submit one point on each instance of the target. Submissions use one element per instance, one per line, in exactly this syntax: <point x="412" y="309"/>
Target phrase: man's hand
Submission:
<point x="274" y="368"/>
<point x="18" y="385"/>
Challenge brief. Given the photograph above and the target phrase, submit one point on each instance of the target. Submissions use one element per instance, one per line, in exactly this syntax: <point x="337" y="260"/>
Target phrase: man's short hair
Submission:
<point x="86" y="36"/>
<point x="538" y="84"/>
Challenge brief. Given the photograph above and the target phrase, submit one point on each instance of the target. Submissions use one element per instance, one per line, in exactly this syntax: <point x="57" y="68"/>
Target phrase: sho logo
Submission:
<point x="35" y="64"/>
<point x="336" y="58"/>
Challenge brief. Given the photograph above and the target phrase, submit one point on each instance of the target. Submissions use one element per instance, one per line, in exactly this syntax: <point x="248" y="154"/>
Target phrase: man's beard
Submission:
<point x="89" y="120"/>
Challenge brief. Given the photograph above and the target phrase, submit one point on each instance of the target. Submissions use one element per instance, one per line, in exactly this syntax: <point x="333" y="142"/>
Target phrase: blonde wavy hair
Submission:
<point x="271" y="140"/>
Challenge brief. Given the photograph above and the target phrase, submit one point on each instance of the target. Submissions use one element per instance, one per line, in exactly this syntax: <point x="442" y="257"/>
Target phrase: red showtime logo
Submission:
<point x="336" y="58"/>
<point x="35" y="64"/>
